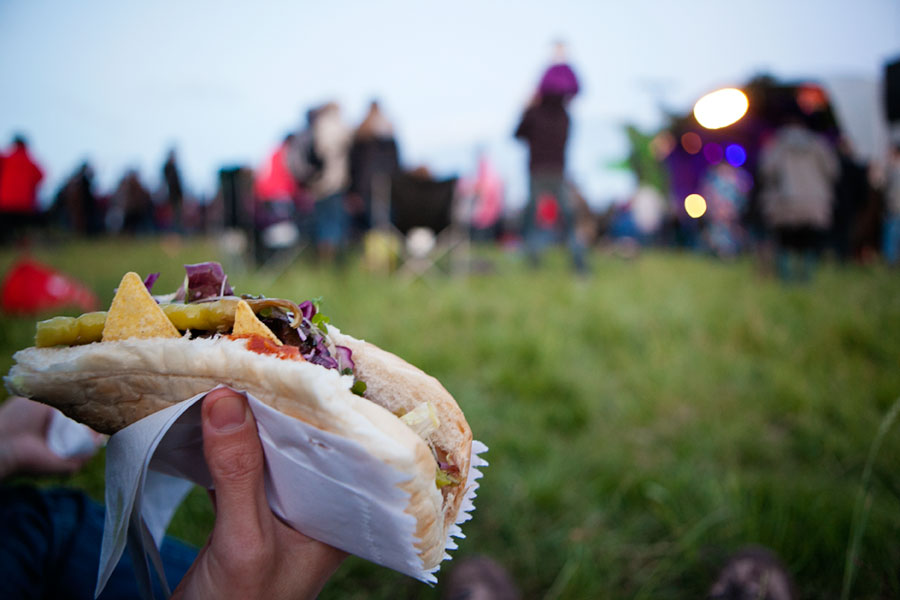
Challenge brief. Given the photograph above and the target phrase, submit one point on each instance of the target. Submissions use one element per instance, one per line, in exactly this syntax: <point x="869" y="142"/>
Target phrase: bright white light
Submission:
<point x="721" y="108"/>
<point x="695" y="206"/>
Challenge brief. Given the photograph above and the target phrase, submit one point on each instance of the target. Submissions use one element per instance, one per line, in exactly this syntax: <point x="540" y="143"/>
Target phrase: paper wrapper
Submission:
<point x="324" y="486"/>
<point x="68" y="438"/>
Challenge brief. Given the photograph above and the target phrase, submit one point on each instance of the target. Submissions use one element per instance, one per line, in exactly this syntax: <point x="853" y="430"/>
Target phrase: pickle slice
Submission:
<point x="71" y="331"/>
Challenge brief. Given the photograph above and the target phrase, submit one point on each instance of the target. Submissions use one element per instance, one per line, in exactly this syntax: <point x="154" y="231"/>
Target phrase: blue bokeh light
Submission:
<point x="735" y="155"/>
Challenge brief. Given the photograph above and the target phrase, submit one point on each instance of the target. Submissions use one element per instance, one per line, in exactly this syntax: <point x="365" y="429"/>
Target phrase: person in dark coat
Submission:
<point x="174" y="189"/>
<point x="78" y="204"/>
<point x="545" y="129"/>
<point x="135" y="203"/>
<point x="373" y="159"/>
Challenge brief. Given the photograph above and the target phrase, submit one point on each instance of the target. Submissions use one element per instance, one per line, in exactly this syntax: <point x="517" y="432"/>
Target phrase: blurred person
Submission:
<point x="725" y="189"/>
<point x="275" y="193"/>
<point x="799" y="169"/>
<point x="850" y="194"/>
<point x="544" y="127"/>
<point x="20" y="177"/>
<point x="891" y="235"/>
<point x="78" y="204"/>
<point x="647" y="206"/>
<point x="484" y="192"/>
<point x="133" y="204"/>
<point x="331" y="139"/>
<point x="374" y="158"/>
<point x="52" y="536"/>
<point x="174" y="190"/>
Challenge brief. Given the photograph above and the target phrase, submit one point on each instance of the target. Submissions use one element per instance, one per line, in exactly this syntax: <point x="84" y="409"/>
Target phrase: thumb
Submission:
<point x="235" y="460"/>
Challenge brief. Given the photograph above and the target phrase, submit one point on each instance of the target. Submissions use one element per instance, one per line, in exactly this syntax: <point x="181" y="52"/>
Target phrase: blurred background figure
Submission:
<point x="483" y="197"/>
<point x="132" y="206"/>
<point x="799" y="169"/>
<point x="725" y="189"/>
<point x="647" y="211"/>
<point x="851" y="193"/>
<point x="20" y="176"/>
<point x="174" y="192"/>
<point x="331" y="139"/>
<point x="275" y="194"/>
<point x="891" y="236"/>
<point x="544" y="127"/>
<point x="374" y="158"/>
<point x="78" y="207"/>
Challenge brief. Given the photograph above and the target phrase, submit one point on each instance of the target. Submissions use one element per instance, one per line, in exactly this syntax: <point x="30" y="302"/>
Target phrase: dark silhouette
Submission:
<point x="174" y="189"/>
<point x="134" y="204"/>
<point x="850" y="193"/>
<point x="79" y="207"/>
<point x="374" y="158"/>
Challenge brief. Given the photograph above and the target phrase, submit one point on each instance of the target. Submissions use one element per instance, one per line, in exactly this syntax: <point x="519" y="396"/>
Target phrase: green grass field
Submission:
<point x="643" y="423"/>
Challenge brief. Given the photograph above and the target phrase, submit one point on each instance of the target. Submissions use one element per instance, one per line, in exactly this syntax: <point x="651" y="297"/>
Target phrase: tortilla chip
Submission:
<point x="247" y="323"/>
<point x="135" y="314"/>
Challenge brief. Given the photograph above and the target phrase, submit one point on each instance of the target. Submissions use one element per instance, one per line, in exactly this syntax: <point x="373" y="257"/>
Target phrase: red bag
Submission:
<point x="31" y="288"/>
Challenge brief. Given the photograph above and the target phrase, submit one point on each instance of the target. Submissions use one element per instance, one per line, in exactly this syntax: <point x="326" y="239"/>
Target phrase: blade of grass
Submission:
<point x="864" y="502"/>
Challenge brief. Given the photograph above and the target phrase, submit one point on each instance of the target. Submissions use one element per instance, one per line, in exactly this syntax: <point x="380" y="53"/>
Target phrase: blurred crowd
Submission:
<point x="789" y="190"/>
<point x="78" y="206"/>
<point x="802" y="194"/>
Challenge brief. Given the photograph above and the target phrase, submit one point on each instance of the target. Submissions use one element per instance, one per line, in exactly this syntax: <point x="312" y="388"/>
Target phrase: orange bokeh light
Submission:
<point x="691" y="142"/>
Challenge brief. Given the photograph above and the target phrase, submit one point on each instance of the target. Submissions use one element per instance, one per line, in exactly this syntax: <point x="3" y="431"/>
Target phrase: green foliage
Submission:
<point x="643" y="424"/>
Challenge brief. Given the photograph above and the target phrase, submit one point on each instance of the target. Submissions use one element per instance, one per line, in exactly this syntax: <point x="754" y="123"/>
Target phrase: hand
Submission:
<point x="23" y="440"/>
<point x="250" y="553"/>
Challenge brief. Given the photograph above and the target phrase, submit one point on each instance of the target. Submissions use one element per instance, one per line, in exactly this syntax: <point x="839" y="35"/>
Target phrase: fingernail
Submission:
<point x="227" y="413"/>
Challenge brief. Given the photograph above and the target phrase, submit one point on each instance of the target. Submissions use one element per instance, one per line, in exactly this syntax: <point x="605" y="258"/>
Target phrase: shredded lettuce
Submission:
<point x="422" y="419"/>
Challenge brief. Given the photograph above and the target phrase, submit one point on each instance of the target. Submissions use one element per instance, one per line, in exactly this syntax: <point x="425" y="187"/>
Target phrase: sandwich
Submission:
<point x="110" y="369"/>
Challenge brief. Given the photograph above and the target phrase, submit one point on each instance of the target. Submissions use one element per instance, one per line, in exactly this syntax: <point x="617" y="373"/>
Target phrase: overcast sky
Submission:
<point x="120" y="82"/>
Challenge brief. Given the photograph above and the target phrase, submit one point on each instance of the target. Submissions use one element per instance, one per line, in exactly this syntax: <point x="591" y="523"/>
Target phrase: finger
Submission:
<point x="235" y="459"/>
<point x="35" y="457"/>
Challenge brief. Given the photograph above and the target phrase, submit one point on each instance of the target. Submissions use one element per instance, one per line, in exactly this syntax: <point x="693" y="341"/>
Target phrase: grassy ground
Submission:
<point x="642" y="424"/>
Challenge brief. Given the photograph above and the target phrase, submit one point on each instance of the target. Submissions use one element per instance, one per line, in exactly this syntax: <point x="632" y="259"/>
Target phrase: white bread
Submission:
<point x="109" y="385"/>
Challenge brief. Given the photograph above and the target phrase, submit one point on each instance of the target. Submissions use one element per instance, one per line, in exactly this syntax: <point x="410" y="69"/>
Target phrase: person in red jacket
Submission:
<point x="20" y="177"/>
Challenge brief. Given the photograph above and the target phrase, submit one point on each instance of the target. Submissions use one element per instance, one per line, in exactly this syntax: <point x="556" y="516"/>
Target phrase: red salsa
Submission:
<point x="263" y="345"/>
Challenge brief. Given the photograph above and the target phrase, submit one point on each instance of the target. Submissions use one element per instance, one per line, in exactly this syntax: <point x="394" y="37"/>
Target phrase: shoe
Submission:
<point x="754" y="573"/>
<point x="480" y="578"/>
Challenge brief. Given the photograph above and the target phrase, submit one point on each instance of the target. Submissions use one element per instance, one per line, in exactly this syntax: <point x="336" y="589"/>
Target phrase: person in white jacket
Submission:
<point x="799" y="168"/>
<point x="331" y="141"/>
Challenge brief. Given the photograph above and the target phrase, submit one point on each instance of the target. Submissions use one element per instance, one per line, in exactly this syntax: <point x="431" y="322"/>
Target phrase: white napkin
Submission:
<point x="321" y="484"/>
<point x="68" y="438"/>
